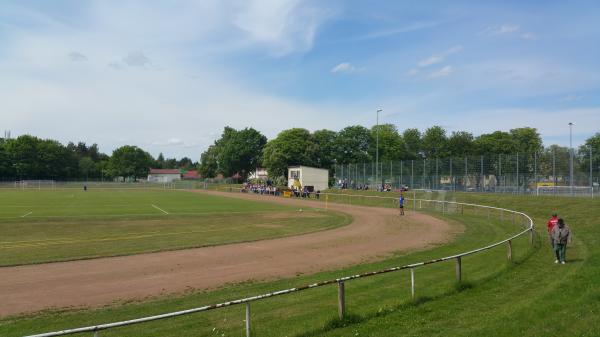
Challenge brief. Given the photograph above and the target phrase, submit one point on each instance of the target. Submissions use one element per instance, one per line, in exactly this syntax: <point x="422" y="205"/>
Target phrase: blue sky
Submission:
<point x="168" y="76"/>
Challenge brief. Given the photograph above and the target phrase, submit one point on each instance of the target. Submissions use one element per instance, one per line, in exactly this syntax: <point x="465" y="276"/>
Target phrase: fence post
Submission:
<point x="97" y="333"/>
<point x="414" y="200"/>
<point x="248" y="319"/>
<point x="531" y="235"/>
<point x="341" y="300"/>
<point x="509" y="250"/>
<point x="412" y="283"/>
<point x="458" y="269"/>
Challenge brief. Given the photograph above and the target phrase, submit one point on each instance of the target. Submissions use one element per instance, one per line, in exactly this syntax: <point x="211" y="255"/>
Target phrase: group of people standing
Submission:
<point x="560" y="235"/>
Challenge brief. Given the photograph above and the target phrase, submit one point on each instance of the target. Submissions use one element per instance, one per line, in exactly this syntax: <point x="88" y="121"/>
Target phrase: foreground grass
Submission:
<point x="66" y="225"/>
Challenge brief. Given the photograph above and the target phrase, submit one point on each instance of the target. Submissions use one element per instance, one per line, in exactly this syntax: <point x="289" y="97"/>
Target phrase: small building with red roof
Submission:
<point x="164" y="175"/>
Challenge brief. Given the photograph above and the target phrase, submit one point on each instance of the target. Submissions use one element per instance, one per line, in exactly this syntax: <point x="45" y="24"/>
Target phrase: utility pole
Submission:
<point x="571" y="156"/>
<point x="377" y="150"/>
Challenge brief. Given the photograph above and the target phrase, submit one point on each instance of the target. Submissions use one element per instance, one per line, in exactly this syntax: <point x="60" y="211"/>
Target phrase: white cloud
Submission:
<point x="136" y="59"/>
<point x="416" y="26"/>
<point x="430" y="60"/>
<point x="500" y="30"/>
<point x="344" y="67"/>
<point x="528" y="36"/>
<point x="284" y="26"/>
<point x="413" y="72"/>
<point x="169" y="142"/>
<point x="440" y="57"/>
<point x="77" y="57"/>
<point x="442" y="72"/>
<point x="571" y="98"/>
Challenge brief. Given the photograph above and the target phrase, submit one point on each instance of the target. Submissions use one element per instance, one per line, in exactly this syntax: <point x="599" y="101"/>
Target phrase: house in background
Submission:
<point x="190" y="175"/>
<point x="170" y="175"/>
<point x="164" y="175"/>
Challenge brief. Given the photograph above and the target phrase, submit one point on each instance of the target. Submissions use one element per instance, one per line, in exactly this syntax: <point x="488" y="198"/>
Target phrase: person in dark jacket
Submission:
<point x="561" y="235"/>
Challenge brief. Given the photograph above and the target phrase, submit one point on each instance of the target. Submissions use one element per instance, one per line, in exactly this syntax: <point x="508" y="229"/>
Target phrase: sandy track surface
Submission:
<point x="374" y="234"/>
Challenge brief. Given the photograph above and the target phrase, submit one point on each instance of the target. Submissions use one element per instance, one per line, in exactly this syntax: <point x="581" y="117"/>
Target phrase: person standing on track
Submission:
<point x="561" y="234"/>
<point x="401" y="203"/>
<point x="550" y="225"/>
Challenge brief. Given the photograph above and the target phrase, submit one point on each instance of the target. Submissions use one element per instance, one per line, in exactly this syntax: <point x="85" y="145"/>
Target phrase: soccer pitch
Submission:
<point x="59" y="225"/>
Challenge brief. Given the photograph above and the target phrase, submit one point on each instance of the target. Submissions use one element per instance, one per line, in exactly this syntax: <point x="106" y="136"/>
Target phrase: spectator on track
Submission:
<point x="550" y="225"/>
<point x="561" y="235"/>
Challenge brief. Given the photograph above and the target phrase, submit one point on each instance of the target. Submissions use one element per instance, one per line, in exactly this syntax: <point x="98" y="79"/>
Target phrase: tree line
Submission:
<point x="29" y="157"/>
<point x="239" y="152"/>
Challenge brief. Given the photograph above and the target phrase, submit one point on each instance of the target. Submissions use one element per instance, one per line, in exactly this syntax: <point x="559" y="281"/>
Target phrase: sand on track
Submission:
<point x="373" y="234"/>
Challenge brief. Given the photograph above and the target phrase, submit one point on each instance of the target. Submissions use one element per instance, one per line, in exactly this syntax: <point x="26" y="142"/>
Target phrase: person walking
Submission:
<point x="401" y="204"/>
<point x="550" y="225"/>
<point x="561" y="235"/>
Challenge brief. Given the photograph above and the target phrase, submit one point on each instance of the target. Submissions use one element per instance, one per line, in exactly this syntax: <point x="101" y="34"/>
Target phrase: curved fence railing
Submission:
<point x="444" y="206"/>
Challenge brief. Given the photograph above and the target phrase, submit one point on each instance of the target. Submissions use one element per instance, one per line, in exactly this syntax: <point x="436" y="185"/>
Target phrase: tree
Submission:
<point x="527" y="140"/>
<point x="391" y="146"/>
<point x="130" y="162"/>
<point x="352" y="145"/>
<point x="209" y="163"/>
<point x="412" y="144"/>
<point x="86" y="166"/>
<point x="6" y="168"/>
<point x="160" y="161"/>
<point x="290" y="147"/>
<point x="241" y="152"/>
<point x="460" y="144"/>
<point x="497" y="142"/>
<point x="325" y="147"/>
<point x="584" y="153"/>
<point x="185" y="163"/>
<point x="435" y="142"/>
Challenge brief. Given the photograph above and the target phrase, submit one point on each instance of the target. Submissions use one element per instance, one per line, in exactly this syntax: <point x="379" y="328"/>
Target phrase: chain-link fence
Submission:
<point x="547" y="173"/>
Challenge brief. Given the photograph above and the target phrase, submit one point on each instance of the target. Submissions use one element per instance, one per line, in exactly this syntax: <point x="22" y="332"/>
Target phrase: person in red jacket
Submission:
<point x="551" y="223"/>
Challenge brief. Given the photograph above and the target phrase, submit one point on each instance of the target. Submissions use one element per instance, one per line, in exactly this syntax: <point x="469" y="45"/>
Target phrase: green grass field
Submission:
<point x="58" y="225"/>
<point x="529" y="297"/>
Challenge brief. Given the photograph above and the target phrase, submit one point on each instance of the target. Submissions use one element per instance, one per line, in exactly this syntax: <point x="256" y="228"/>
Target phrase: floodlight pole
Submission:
<point x="377" y="151"/>
<point x="571" y="156"/>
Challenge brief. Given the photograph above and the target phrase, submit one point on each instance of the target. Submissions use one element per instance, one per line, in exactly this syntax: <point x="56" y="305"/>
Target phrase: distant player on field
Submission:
<point x="401" y="204"/>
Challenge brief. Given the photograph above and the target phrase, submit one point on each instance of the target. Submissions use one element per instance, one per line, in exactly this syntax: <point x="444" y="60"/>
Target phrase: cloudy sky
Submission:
<point x="169" y="75"/>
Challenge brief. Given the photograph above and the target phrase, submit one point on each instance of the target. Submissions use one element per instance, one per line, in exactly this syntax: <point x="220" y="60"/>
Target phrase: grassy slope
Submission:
<point x="71" y="224"/>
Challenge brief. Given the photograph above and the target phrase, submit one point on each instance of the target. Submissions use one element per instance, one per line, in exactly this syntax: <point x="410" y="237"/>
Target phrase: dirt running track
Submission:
<point x="373" y="234"/>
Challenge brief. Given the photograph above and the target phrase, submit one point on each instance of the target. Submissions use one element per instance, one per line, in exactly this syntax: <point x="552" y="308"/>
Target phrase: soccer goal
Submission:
<point x="578" y="191"/>
<point x="35" y="184"/>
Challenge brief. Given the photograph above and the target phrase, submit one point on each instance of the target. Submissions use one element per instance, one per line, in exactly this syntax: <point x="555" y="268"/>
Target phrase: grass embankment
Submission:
<point x="313" y="312"/>
<point x="59" y="225"/>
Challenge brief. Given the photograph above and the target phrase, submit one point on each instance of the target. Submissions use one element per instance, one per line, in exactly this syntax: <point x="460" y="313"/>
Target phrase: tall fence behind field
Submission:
<point x="445" y="207"/>
<point x="537" y="173"/>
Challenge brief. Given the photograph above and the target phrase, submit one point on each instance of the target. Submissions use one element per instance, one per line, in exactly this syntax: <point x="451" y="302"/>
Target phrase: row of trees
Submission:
<point x="29" y="157"/>
<point x="240" y="152"/>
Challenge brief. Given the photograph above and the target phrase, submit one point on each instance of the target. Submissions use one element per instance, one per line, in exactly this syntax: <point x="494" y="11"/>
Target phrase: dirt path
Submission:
<point x="373" y="234"/>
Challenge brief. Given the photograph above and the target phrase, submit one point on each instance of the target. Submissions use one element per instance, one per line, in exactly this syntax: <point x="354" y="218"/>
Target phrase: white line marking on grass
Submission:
<point x="160" y="209"/>
<point x="24" y="215"/>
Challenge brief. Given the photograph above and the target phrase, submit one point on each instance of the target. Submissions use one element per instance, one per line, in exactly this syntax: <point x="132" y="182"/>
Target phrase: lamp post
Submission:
<point x="571" y="156"/>
<point x="377" y="150"/>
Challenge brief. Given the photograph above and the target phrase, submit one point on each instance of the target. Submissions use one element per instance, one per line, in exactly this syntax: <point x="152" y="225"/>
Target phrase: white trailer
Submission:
<point x="317" y="178"/>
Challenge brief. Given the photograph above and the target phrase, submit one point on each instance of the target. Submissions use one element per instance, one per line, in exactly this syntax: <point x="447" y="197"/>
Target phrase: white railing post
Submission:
<point x="248" y="334"/>
<point x="458" y="269"/>
<point x="509" y="250"/>
<point x="96" y="333"/>
<point x="531" y="235"/>
<point x="341" y="300"/>
<point x="412" y="283"/>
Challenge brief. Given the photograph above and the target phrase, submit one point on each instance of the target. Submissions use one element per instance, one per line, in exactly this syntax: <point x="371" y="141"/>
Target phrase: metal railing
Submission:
<point x="445" y="208"/>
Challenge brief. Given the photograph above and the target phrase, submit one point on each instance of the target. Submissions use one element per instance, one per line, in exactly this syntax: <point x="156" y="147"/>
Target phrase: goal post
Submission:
<point x="35" y="184"/>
